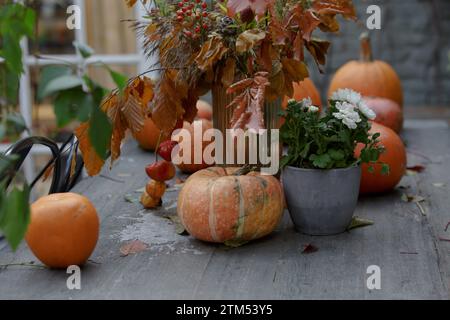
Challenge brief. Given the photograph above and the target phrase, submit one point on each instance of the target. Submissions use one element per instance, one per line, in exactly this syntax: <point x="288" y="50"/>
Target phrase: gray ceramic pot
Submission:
<point x="321" y="202"/>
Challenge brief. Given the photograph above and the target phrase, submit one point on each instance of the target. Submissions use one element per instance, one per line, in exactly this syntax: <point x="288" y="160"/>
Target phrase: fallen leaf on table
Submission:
<point x="309" y="248"/>
<point x="412" y="198"/>
<point x="129" y="198"/>
<point x="359" y="223"/>
<point x="179" y="228"/>
<point x="447" y="226"/>
<point x="415" y="199"/>
<point x="141" y="190"/>
<point x="133" y="247"/>
<point x="417" y="169"/>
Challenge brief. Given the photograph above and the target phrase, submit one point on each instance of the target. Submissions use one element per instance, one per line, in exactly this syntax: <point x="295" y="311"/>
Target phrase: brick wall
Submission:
<point x="414" y="39"/>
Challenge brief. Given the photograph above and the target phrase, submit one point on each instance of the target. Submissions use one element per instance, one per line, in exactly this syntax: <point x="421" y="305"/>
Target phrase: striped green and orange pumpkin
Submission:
<point x="216" y="205"/>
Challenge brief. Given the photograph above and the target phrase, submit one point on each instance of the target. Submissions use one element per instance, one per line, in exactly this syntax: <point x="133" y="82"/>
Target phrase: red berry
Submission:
<point x="184" y="9"/>
<point x="180" y="18"/>
<point x="205" y="26"/>
<point x="188" y="33"/>
<point x="204" y="5"/>
<point x="165" y="149"/>
<point x="198" y="1"/>
<point x="161" y="171"/>
<point x="198" y="30"/>
<point x="205" y="14"/>
<point x="180" y="4"/>
<point x="189" y="13"/>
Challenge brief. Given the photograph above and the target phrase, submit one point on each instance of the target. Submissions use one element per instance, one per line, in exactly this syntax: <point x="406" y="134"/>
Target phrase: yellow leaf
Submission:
<point x="92" y="161"/>
<point x="297" y="70"/>
<point x="249" y="39"/>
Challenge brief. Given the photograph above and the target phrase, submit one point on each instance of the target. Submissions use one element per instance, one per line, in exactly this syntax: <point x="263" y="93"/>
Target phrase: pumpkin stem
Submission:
<point x="246" y="170"/>
<point x="366" y="48"/>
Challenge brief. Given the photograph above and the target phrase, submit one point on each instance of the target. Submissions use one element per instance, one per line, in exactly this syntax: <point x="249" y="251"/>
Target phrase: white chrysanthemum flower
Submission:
<point x="313" y="109"/>
<point x="347" y="95"/>
<point x="307" y="102"/>
<point x="347" y="114"/>
<point x="366" y="111"/>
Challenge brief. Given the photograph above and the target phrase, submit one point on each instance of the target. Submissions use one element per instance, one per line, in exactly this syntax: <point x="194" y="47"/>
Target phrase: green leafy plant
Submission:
<point x="16" y="21"/>
<point x="77" y="97"/>
<point x="329" y="141"/>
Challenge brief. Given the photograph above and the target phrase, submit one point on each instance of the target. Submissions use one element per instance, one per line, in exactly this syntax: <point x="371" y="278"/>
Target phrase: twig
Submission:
<point x="447" y="226"/>
<point x="30" y="265"/>
<point x="444" y="239"/>
<point x="422" y="210"/>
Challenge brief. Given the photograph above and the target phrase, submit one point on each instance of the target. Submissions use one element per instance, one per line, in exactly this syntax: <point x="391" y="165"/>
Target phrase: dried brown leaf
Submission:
<point x="211" y="52"/>
<point x="133" y="247"/>
<point x="249" y="39"/>
<point x="92" y="161"/>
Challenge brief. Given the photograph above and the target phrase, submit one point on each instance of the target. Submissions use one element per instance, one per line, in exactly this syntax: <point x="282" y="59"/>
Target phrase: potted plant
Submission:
<point x="321" y="174"/>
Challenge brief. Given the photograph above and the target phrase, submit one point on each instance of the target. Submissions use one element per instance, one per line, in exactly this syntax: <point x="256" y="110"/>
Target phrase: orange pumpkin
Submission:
<point x="148" y="136"/>
<point x="305" y="89"/>
<point x="191" y="167"/>
<point x="215" y="205"/>
<point x="388" y="112"/>
<point x="394" y="156"/>
<point x="372" y="78"/>
<point x="64" y="230"/>
<point x="204" y="110"/>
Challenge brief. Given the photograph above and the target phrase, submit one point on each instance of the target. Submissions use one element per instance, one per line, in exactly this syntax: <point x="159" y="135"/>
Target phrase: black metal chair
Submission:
<point x="64" y="176"/>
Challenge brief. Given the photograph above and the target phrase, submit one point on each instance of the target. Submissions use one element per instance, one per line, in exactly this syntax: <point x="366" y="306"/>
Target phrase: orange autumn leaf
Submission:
<point x="211" y="52"/>
<point x="168" y="107"/>
<point x="111" y="106"/>
<point x="92" y="161"/>
<point x="125" y="112"/>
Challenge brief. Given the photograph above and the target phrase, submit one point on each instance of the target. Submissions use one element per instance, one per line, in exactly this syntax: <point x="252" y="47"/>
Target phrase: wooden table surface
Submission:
<point x="404" y="242"/>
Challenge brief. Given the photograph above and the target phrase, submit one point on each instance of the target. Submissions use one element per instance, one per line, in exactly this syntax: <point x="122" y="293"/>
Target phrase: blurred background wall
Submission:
<point x="414" y="39"/>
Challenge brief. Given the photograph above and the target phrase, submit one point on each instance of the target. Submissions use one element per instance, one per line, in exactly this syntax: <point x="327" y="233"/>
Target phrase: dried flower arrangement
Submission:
<point x="254" y="48"/>
<point x="204" y="43"/>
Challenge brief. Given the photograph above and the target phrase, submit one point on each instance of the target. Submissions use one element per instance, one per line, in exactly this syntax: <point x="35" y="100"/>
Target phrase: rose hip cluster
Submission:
<point x="193" y="14"/>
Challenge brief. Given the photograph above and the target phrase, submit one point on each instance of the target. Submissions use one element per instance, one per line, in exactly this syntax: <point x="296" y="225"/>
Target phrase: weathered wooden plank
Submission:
<point x="402" y="242"/>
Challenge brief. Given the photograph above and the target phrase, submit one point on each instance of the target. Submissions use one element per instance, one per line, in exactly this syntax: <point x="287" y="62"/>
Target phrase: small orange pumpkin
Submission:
<point x="191" y="167"/>
<point x="149" y="135"/>
<point x="372" y="78"/>
<point x="394" y="156"/>
<point x="64" y="229"/>
<point x="215" y="205"/>
<point x="388" y="112"/>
